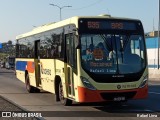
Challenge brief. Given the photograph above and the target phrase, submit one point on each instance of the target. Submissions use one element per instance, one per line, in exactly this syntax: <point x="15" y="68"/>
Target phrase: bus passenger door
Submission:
<point x="37" y="63"/>
<point x="71" y="64"/>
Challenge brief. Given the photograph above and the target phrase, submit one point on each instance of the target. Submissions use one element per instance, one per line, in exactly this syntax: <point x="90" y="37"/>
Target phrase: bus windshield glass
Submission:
<point x="112" y="53"/>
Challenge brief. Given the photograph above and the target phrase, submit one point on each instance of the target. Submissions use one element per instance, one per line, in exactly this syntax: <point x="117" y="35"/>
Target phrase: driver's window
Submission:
<point x="136" y="45"/>
<point x="71" y="50"/>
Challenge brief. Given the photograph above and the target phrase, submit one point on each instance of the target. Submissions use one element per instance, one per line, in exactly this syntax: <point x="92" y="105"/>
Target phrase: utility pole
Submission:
<point x="158" y="32"/>
<point x="60" y="8"/>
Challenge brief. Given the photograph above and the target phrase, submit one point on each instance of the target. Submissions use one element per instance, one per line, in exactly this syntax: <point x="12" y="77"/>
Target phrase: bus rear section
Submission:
<point x="113" y="60"/>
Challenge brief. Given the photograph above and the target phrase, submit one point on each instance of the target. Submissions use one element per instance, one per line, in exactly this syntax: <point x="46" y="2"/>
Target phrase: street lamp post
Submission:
<point x="60" y="8"/>
<point x="158" y="32"/>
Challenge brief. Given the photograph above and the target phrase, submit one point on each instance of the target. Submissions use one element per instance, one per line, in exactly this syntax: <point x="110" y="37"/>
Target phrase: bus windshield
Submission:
<point x="112" y="53"/>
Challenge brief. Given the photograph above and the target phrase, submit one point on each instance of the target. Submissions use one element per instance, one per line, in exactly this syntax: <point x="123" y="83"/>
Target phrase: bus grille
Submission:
<point x="111" y="96"/>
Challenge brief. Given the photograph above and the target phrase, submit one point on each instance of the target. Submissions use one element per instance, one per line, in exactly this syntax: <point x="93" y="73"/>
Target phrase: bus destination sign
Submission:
<point x="114" y="25"/>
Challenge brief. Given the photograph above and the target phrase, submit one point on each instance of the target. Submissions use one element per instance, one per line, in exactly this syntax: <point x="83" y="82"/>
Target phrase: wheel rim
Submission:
<point x="61" y="95"/>
<point x="27" y="84"/>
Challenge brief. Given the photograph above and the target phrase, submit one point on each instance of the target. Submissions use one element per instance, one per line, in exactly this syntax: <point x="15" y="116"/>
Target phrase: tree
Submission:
<point x="9" y="42"/>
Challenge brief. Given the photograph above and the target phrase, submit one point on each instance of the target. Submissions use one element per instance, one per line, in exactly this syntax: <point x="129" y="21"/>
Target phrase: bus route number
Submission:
<point x="93" y="25"/>
<point x="117" y="25"/>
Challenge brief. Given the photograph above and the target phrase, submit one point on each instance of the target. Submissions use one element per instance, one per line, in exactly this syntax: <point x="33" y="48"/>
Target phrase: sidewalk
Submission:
<point x="154" y="75"/>
<point x="8" y="106"/>
<point x="154" y="80"/>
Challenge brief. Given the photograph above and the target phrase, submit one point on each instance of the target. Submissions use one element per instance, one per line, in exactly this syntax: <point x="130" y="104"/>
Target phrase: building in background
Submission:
<point x="0" y="45"/>
<point x="152" y="51"/>
<point x="8" y="48"/>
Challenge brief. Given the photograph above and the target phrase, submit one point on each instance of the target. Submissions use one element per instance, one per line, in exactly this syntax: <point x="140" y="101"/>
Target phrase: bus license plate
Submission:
<point x="119" y="99"/>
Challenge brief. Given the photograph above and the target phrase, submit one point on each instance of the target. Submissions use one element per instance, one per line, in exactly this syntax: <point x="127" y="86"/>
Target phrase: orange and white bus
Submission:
<point x="85" y="59"/>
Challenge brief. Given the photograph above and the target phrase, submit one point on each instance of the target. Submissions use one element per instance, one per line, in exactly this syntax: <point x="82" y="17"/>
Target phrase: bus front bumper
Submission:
<point x="86" y="95"/>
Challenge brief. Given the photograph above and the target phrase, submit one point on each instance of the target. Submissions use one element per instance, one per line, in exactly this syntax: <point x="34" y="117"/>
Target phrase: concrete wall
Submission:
<point x="154" y="74"/>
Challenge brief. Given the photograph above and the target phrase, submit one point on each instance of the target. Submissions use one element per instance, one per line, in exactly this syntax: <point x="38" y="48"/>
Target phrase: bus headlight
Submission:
<point x="87" y="84"/>
<point x="144" y="82"/>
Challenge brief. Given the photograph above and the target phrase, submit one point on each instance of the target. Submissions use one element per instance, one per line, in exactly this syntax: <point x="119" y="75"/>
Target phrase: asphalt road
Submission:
<point x="14" y="90"/>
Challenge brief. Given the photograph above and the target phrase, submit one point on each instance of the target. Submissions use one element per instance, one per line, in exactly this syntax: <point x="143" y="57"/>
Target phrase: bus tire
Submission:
<point x="57" y="81"/>
<point x="29" y="88"/>
<point x="36" y="90"/>
<point x="64" y="101"/>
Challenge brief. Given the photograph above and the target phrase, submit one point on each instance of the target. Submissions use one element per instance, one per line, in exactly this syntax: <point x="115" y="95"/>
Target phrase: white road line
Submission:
<point x="154" y="93"/>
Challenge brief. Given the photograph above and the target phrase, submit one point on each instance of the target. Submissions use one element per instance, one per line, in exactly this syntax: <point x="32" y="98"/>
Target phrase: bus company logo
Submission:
<point x="118" y="86"/>
<point x="45" y="71"/>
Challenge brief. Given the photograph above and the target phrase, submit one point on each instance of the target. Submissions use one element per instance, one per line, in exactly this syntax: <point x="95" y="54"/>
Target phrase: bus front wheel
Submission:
<point x="64" y="101"/>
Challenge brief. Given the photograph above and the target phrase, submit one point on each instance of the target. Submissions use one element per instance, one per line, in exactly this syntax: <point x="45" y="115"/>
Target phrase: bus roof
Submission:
<point x="72" y="20"/>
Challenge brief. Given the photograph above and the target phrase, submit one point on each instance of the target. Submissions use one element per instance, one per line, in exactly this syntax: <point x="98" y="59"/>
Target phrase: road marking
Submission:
<point x="154" y="93"/>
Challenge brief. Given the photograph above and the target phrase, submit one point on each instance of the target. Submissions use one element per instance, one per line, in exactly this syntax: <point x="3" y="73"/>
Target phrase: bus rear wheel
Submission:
<point x="64" y="101"/>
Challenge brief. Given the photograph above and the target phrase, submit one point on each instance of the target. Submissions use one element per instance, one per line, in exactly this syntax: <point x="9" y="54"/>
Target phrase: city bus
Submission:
<point x="85" y="59"/>
<point x="10" y="62"/>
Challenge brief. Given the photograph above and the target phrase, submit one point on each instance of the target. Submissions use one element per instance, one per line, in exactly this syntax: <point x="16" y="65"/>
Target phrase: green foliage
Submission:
<point x="3" y="56"/>
<point x="8" y="49"/>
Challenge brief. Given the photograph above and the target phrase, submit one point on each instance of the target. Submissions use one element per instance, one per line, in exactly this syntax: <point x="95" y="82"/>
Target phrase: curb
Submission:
<point x="154" y="79"/>
<point x="20" y="107"/>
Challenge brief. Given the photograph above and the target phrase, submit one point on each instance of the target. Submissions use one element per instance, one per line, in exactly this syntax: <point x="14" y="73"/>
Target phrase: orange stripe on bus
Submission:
<point x="30" y="67"/>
